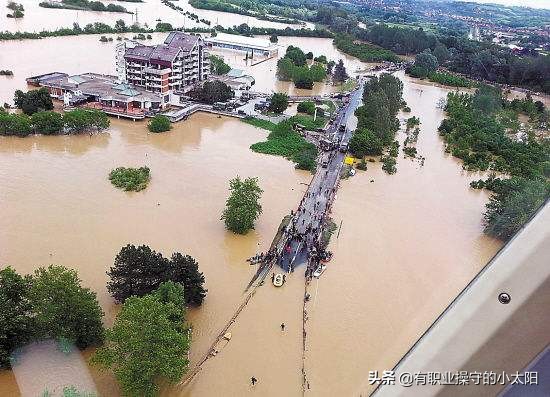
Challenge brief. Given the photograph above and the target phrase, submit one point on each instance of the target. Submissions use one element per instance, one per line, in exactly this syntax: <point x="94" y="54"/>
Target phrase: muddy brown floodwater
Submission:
<point x="408" y="243"/>
<point x="147" y="13"/>
<point x="72" y="55"/>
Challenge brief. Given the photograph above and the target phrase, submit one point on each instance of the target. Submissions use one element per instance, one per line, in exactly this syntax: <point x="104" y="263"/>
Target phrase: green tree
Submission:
<point x="302" y="78"/>
<point x="487" y="99"/>
<point x="120" y="25"/>
<point x="184" y="269"/>
<point x="340" y="75"/>
<point x="212" y="92"/>
<point x="278" y="102"/>
<point x="33" y="101"/>
<point x="285" y="69"/>
<point x="15" y="124"/>
<point x="426" y="62"/>
<point x="159" y="123"/>
<point x="507" y="212"/>
<point x="81" y="120"/>
<point x="307" y="107"/>
<point x="330" y="66"/>
<point x="365" y="142"/>
<point x="273" y="38"/>
<point x="296" y="55"/>
<point x="218" y="65"/>
<point x="148" y="343"/>
<point x="138" y="271"/>
<point x="242" y="207"/>
<point x="317" y="72"/>
<point x="47" y="123"/>
<point x="441" y="53"/>
<point x="321" y="59"/>
<point x="130" y="179"/>
<point x="16" y="316"/>
<point x="63" y="308"/>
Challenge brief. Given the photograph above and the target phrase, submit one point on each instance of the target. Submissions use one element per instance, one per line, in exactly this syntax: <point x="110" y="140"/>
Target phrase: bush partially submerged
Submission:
<point x="130" y="179"/>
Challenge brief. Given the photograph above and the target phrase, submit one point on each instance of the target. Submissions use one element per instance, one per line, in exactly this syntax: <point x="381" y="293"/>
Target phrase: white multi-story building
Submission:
<point x="174" y="66"/>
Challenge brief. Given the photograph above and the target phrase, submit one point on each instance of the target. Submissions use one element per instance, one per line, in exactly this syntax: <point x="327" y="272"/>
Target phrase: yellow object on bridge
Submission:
<point x="349" y="160"/>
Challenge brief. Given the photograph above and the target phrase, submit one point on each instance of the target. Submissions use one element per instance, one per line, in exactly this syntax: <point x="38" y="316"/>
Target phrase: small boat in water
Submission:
<point x="320" y="269"/>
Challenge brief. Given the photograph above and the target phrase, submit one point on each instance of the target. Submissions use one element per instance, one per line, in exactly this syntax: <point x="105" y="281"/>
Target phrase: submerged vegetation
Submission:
<point x="83" y="5"/>
<point x="377" y="123"/>
<point x="159" y="123"/>
<point x="53" y="123"/>
<point x="218" y="65"/>
<point x="17" y="10"/>
<point x="154" y="269"/>
<point x="149" y="342"/>
<point x="130" y="179"/>
<point x="294" y="67"/>
<point x="364" y="51"/>
<point x="285" y="141"/>
<point x="243" y="206"/>
<point x="49" y="304"/>
<point x="476" y="132"/>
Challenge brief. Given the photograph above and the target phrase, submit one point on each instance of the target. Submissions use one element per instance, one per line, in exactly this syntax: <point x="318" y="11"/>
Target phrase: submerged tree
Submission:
<point x="33" y="101"/>
<point x="212" y="92"/>
<point x="148" y="343"/>
<point x="63" y="308"/>
<point x="509" y="209"/>
<point x="16" y="316"/>
<point x="340" y="74"/>
<point x="184" y="269"/>
<point x="138" y="271"/>
<point x="159" y="123"/>
<point x="278" y="102"/>
<point x="242" y="207"/>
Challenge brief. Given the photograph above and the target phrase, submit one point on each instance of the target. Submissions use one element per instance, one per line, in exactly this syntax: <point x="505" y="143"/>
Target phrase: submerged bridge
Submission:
<point x="301" y="231"/>
<point x="300" y="242"/>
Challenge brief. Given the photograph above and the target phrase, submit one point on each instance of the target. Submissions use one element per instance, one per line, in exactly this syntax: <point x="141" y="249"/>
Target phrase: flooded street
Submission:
<point x="408" y="243"/>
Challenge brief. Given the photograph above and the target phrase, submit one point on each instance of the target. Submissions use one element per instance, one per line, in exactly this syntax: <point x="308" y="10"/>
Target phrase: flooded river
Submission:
<point x="408" y="242"/>
<point x="148" y="14"/>
<point x="72" y="55"/>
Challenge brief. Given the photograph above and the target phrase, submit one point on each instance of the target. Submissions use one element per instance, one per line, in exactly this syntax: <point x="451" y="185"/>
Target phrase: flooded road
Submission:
<point x="149" y="13"/>
<point x="408" y="243"/>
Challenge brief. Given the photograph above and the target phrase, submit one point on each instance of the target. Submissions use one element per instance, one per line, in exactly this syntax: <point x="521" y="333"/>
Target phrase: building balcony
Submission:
<point x="158" y="71"/>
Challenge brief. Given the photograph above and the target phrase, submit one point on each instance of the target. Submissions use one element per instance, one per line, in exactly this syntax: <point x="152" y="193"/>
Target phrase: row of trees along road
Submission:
<point x="377" y="121"/>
